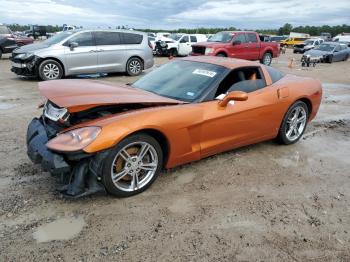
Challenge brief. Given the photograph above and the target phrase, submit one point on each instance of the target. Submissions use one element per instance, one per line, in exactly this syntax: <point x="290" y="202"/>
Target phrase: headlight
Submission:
<point x="208" y="50"/>
<point x="74" y="140"/>
<point x="24" y="56"/>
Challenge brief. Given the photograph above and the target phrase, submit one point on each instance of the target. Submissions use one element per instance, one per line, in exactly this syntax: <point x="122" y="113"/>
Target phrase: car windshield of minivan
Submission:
<point x="221" y="37"/>
<point x="181" y="80"/>
<point x="326" y="47"/>
<point x="58" y="38"/>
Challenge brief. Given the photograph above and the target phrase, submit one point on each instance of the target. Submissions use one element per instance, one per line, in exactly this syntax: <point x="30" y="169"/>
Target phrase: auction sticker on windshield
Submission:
<point x="204" y="72"/>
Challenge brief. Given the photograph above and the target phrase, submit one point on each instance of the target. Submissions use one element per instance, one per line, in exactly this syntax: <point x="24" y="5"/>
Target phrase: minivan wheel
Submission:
<point x="134" y="66"/>
<point x="132" y="165"/>
<point x="294" y="123"/>
<point x="50" y="70"/>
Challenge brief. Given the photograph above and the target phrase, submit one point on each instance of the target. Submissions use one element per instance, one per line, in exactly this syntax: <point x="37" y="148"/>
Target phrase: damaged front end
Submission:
<point x="25" y="64"/>
<point x="78" y="171"/>
<point x="74" y="169"/>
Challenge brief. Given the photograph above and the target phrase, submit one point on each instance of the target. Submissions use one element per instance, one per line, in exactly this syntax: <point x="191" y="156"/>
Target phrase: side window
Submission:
<point x="252" y="38"/>
<point x="83" y="39"/>
<point x="131" y="39"/>
<point x="193" y="39"/>
<point x="248" y="79"/>
<point x="241" y="38"/>
<point x="184" y="39"/>
<point x="317" y="43"/>
<point x="274" y="74"/>
<point x="107" y="38"/>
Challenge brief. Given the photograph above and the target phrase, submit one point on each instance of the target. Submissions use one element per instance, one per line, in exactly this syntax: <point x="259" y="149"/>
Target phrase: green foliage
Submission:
<point x="284" y="30"/>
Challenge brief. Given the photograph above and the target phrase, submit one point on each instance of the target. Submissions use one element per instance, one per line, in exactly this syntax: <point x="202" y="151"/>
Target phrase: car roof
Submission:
<point x="230" y="63"/>
<point x="108" y="30"/>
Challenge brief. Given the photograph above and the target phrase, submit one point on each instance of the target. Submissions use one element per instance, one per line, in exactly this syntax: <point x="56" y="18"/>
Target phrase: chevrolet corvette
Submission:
<point x="100" y="137"/>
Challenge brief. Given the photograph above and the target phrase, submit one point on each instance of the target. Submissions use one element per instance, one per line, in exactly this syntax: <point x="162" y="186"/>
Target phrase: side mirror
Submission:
<point x="236" y="42"/>
<point x="73" y="45"/>
<point x="235" y="96"/>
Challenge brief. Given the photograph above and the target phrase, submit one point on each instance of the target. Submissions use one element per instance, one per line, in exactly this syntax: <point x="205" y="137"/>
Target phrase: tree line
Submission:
<point x="283" y="30"/>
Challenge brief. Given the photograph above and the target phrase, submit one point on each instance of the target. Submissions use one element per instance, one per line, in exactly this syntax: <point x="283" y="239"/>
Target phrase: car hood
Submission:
<point x="315" y="52"/>
<point x="30" y="48"/>
<point x="77" y="95"/>
<point x="210" y="44"/>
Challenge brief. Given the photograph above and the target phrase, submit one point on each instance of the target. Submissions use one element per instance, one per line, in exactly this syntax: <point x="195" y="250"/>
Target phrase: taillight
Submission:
<point x="149" y="44"/>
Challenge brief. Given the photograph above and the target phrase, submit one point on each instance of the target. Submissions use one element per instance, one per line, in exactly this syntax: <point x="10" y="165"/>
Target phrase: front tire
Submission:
<point x="221" y="55"/>
<point x="132" y="166"/>
<point x="294" y="123"/>
<point x="134" y="66"/>
<point x="50" y="70"/>
<point x="266" y="59"/>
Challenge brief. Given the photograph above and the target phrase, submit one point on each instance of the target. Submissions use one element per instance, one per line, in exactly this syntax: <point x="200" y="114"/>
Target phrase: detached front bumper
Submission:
<point x="38" y="152"/>
<point x="79" y="170"/>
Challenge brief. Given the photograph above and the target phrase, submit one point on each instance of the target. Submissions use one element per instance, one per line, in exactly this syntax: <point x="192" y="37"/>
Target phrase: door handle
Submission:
<point x="246" y="46"/>
<point x="100" y="50"/>
<point x="92" y="51"/>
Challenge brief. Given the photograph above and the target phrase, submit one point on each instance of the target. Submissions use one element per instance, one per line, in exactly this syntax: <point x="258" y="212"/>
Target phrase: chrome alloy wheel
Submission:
<point x="135" y="67"/>
<point x="51" y="71"/>
<point x="267" y="60"/>
<point x="296" y="123"/>
<point x="134" y="166"/>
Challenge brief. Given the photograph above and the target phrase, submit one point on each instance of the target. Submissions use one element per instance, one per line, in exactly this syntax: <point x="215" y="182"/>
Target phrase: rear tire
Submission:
<point x="132" y="165"/>
<point x="134" y="66"/>
<point x="221" y="55"/>
<point x="294" y="123"/>
<point x="266" y="59"/>
<point x="50" y="70"/>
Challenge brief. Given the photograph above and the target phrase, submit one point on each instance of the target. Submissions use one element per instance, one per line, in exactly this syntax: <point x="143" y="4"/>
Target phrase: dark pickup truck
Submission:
<point x="238" y="44"/>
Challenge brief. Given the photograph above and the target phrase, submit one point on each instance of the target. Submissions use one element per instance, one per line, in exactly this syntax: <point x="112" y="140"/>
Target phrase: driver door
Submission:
<point x="240" y="122"/>
<point x="81" y="59"/>
<point x="239" y="47"/>
<point x="184" y="46"/>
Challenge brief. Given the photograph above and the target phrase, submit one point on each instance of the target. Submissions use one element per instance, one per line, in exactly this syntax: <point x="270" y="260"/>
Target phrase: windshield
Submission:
<point x="181" y="80"/>
<point x="308" y="42"/>
<point x="58" y="38"/>
<point x="325" y="47"/>
<point x="222" y="37"/>
<point x="175" y="36"/>
<point x="4" y="30"/>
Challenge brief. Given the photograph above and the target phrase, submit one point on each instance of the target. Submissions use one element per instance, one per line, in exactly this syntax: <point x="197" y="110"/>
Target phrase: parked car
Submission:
<point x="291" y="41"/>
<point x="193" y="107"/>
<point x="178" y="44"/>
<point x="7" y="40"/>
<point x="277" y="38"/>
<point x="342" y="38"/>
<point x="36" y="31"/>
<point x="84" y="52"/>
<point x="307" y="45"/>
<point x="22" y="40"/>
<point x="238" y="44"/>
<point x="328" y="52"/>
<point x="326" y="36"/>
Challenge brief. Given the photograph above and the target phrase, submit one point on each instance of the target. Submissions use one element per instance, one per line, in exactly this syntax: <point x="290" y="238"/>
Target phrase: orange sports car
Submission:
<point x="117" y="138"/>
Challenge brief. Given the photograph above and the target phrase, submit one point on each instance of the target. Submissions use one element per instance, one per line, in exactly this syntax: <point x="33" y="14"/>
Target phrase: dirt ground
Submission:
<point x="264" y="202"/>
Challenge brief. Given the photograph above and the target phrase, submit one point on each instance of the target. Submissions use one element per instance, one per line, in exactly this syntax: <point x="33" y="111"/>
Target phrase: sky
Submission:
<point x="173" y="14"/>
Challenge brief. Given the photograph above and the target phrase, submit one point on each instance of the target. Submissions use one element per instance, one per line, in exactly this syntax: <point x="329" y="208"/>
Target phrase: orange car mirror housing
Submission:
<point x="234" y="95"/>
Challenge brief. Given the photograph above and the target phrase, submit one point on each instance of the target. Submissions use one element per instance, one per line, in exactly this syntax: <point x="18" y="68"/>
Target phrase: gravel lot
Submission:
<point x="264" y="202"/>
